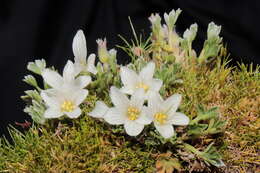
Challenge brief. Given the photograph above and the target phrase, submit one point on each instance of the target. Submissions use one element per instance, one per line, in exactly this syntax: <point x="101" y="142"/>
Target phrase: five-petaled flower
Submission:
<point x="132" y="81"/>
<point x="131" y="113"/>
<point x="66" y="93"/>
<point x="164" y="115"/>
<point x="79" y="48"/>
<point x="61" y="103"/>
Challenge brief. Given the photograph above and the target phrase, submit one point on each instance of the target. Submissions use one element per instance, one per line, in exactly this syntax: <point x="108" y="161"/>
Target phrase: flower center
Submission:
<point x="160" y="118"/>
<point x="132" y="113"/>
<point x="83" y="63"/>
<point x="144" y="86"/>
<point x="67" y="106"/>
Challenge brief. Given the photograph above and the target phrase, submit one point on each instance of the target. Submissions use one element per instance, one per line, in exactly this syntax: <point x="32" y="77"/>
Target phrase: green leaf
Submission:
<point x="209" y="155"/>
<point x="197" y="129"/>
<point x="205" y="114"/>
<point x="34" y="95"/>
<point x="36" y="111"/>
<point x="215" y="126"/>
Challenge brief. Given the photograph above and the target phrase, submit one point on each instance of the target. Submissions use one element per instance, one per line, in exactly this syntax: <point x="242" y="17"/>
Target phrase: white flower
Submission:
<point x="131" y="112"/>
<point x="132" y="81"/>
<point x="100" y="110"/>
<point x="164" y="115"/>
<point x="68" y="80"/>
<point x="79" y="47"/>
<point x="61" y="103"/>
<point x="66" y="94"/>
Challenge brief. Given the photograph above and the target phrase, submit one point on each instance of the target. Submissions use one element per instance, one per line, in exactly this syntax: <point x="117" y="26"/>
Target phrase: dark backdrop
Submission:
<point x="45" y="28"/>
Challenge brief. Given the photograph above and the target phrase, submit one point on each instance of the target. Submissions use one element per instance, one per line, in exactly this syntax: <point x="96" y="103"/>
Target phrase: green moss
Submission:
<point x="84" y="146"/>
<point x="88" y="145"/>
<point x="223" y="104"/>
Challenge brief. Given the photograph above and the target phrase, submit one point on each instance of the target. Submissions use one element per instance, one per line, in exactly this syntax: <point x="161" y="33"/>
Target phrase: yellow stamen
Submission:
<point x="67" y="106"/>
<point x="144" y="86"/>
<point x="133" y="113"/>
<point x="161" y="118"/>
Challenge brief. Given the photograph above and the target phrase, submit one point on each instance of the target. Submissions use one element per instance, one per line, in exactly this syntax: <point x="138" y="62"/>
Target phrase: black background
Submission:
<point x="45" y="28"/>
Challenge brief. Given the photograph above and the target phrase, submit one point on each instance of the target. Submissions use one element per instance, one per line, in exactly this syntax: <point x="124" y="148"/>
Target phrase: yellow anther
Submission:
<point x="67" y="106"/>
<point x="133" y="113"/>
<point x="161" y="118"/>
<point x="144" y="86"/>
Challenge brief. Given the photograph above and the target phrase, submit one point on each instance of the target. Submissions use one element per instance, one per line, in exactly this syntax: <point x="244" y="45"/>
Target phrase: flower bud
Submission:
<point x="102" y="50"/>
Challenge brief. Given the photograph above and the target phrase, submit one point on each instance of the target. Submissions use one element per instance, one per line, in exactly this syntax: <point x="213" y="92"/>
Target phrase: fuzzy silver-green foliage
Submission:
<point x="213" y="97"/>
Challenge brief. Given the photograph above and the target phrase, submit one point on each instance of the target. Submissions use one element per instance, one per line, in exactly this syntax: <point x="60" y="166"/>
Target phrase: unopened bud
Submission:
<point x="102" y="50"/>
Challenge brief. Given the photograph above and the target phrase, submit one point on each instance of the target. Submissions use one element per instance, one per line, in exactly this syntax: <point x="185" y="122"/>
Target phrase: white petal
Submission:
<point x="172" y="103"/>
<point x="179" y="119"/>
<point x="132" y="128"/>
<point x="52" y="78"/>
<point x="118" y="98"/>
<point x="82" y="81"/>
<point x="79" y="96"/>
<point x="74" y="114"/>
<point x="114" y="117"/>
<point x="155" y="102"/>
<point x="137" y="99"/>
<point x="127" y="90"/>
<point x="49" y="100"/>
<point x="79" y="45"/>
<point x="51" y="92"/>
<point x="78" y="67"/>
<point x="69" y="72"/>
<point x="91" y="64"/>
<point x="148" y="71"/>
<point x="166" y="130"/>
<point x="155" y="84"/>
<point x="144" y="118"/>
<point x="52" y="113"/>
<point x="128" y="77"/>
<point x="100" y="110"/>
<point x="149" y="94"/>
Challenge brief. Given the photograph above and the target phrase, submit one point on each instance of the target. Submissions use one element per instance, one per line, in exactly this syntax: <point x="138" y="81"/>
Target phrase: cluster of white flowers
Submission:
<point x="136" y="104"/>
<point x="67" y="91"/>
<point x="133" y="113"/>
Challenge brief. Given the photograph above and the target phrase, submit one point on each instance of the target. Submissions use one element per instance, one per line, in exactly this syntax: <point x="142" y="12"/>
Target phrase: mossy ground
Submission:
<point x="87" y="145"/>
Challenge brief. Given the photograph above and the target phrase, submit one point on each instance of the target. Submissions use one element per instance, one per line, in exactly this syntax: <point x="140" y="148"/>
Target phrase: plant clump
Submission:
<point x="170" y="109"/>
